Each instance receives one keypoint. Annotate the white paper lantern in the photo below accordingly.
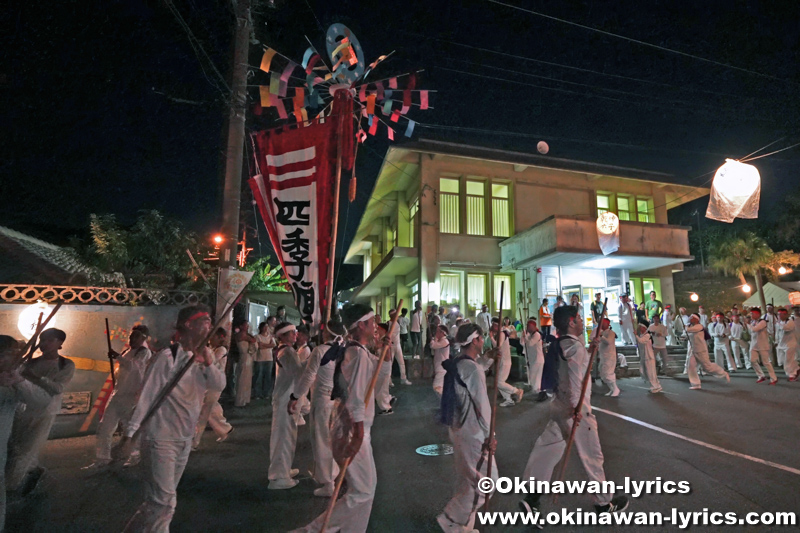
(542, 147)
(735, 192)
(608, 232)
(29, 317)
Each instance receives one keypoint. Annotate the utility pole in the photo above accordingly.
(234, 153)
(700, 234)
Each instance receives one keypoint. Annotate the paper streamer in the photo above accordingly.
(373, 128)
(404, 109)
(274, 83)
(307, 55)
(285, 77)
(423, 100)
(278, 104)
(362, 94)
(391, 134)
(387, 107)
(371, 104)
(388, 93)
(395, 116)
(393, 83)
(380, 90)
(314, 60)
(266, 59)
(412, 83)
(265, 96)
(410, 128)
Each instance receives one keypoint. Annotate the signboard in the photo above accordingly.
(76, 403)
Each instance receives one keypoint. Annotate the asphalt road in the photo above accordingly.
(224, 487)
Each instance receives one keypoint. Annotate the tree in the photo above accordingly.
(266, 277)
(749, 254)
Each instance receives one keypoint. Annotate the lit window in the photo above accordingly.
(450, 289)
(603, 203)
(476, 208)
(501, 217)
(625, 208)
(448, 205)
(476, 293)
(506, 304)
(412, 222)
(644, 209)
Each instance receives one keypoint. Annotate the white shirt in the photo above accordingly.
(54, 375)
(473, 401)
(770, 318)
(759, 338)
(505, 347)
(570, 376)
(357, 368)
(736, 330)
(719, 331)
(484, 320)
(416, 322)
(176, 418)
(402, 324)
(441, 351)
(288, 370)
(626, 313)
(608, 344)
(788, 337)
(659, 334)
(320, 378)
(132, 367)
(645, 346)
(697, 339)
(532, 345)
(264, 354)
(303, 353)
(703, 319)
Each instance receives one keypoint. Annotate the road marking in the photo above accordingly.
(699, 442)
(662, 392)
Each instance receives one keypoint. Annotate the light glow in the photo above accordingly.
(607, 223)
(782, 270)
(217, 239)
(694, 297)
(735, 192)
(29, 317)
(746, 288)
(602, 263)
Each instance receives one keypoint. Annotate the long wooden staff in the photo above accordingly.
(367, 397)
(30, 348)
(576, 416)
(168, 388)
(494, 396)
(110, 359)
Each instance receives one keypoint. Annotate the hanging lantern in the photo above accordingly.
(735, 192)
(29, 318)
(794, 298)
(608, 232)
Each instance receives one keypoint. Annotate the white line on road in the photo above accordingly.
(662, 392)
(699, 442)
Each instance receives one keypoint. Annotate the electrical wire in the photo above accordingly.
(657, 47)
(775, 152)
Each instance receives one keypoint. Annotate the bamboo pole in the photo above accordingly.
(494, 398)
(110, 359)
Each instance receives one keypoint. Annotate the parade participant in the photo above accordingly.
(262, 367)
(211, 413)
(627, 317)
(739, 348)
(454, 328)
(441, 352)
(701, 312)
(416, 330)
(699, 354)
(647, 359)
(397, 350)
(130, 378)
(318, 379)
(545, 319)
(246, 345)
(511, 395)
(653, 306)
(442, 317)
(608, 357)
(667, 318)
(283, 434)
(484, 319)
(351, 512)
(467, 412)
(402, 326)
(659, 333)
(760, 347)
(681, 324)
(720, 332)
(167, 436)
(51, 373)
(532, 348)
(383, 399)
(564, 410)
(303, 354)
(787, 344)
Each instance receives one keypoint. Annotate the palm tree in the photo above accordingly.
(749, 254)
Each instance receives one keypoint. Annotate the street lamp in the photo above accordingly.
(746, 288)
(782, 270)
(217, 239)
(694, 297)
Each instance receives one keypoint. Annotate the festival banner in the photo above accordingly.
(294, 193)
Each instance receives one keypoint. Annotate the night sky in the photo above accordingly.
(109, 109)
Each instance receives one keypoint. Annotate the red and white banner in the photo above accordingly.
(294, 193)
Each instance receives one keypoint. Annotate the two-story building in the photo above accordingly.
(448, 223)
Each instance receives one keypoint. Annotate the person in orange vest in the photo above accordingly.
(545, 319)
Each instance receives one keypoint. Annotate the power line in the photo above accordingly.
(657, 47)
(775, 152)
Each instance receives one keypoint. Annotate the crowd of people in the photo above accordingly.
(329, 383)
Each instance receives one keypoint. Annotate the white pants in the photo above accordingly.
(28, 435)
(503, 370)
(739, 352)
(790, 365)
(701, 358)
(607, 370)
(325, 468)
(471, 464)
(627, 332)
(397, 354)
(550, 446)
(647, 368)
(351, 513)
(780, 355)
(535, 367)
(164, 464)
(764, 357)
(282, 439)
(211, 414)
(119, 409)
(664, 355)
(722, 354)
(244, 380)
(382, 395)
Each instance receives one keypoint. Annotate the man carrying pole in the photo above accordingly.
(571, 406)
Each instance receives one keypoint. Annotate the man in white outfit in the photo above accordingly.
(565, 411)
(720, 332)
(167, 435)
(318, 378)
(484, 319)
(760, 347)
(608, 357)
(701, 312)
(383, 398)
(534, 354)
(659, 333)
(787, 344)
(627, 319)
(699, 354)
(283, 435)
(739, 348)
(351, 513)
(440, 346)
(130, 378)
(211, 414)
(415, 330)
(666, 321)
(511, 395)
(647, 358)
(397, 348)
(467, 412)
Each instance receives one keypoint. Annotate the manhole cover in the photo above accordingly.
(435, 449)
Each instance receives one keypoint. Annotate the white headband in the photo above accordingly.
(362, 319)
(285, 329)
(470, 338)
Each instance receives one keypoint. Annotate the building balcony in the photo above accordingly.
(398, 262)
(572, 242)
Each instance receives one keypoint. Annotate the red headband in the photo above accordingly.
(197, 315)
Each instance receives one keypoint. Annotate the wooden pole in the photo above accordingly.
(494, 398)
(367, 398)
(31, 346)
(584, 385)
(110, 359)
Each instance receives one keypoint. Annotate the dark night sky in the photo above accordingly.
(109, 109)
